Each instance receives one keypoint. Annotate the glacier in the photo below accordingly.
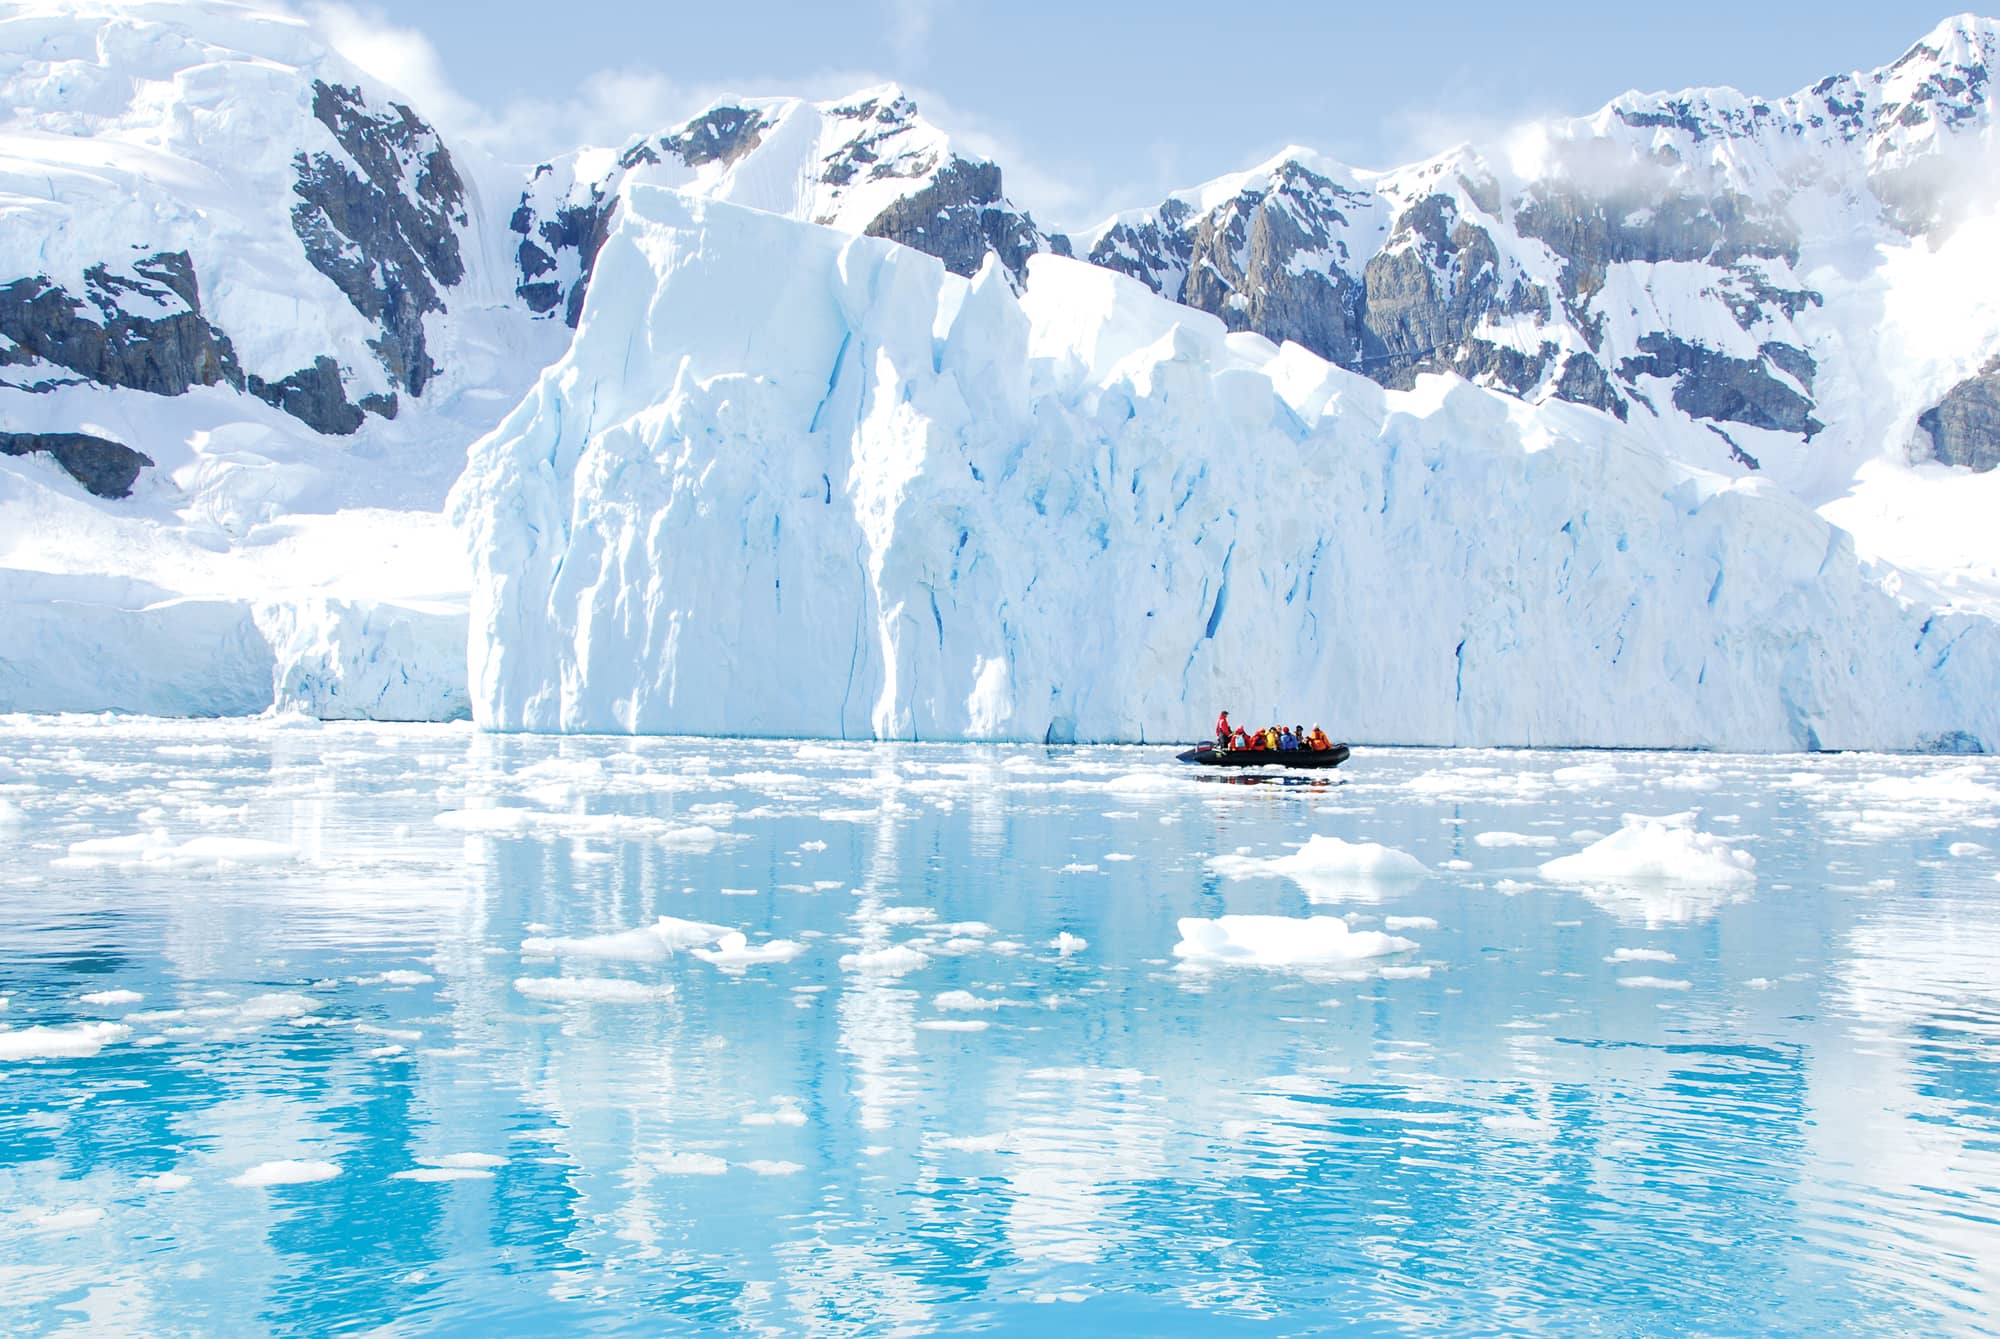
(787, 481)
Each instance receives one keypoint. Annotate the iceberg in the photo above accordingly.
(791, 482)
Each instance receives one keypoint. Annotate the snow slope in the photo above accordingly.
(264, 288)
(791, 482)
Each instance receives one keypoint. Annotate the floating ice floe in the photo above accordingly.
(108, 998)
(1330, 869)
(1066, 943)
(771, 1167)
(1657, 850)
(1653, 983)
(1641, 955)
(11, 816)
(733, 952)
(1280, 941)
(964, 1001)
(648, 943)
(1497, 839)
(1393, 923)
(953, 1025)
(894, 960)
(286, 1172)
(67, 1041)
(690, 1164)
(592, 989)
(443, 1174)
(156, 849)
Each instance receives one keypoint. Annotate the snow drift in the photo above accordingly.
(790, 482)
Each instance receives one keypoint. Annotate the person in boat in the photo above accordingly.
(1271, 737)
(1317, 740)
(1287, 741)
(1241, 740)
(1222, 730)
(1255, 744)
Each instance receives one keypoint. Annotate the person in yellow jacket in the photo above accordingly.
(1271, 737)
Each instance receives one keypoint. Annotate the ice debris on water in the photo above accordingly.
(1659, 850)
(1280, 941)
(68, 1041)
(286, 1172)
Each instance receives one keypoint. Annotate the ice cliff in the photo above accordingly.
(787, 481)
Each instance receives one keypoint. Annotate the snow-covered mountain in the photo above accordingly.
(253, 308)
(866, 164)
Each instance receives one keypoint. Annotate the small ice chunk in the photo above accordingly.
(111, 997)
(10, 816)
(1653, 983)
(286, 1172)
(954, 1025)
(443, 1174)
(1966, 848)
(733, 953)
(963, 1001)
(67, 1041)
(1641, 955)
(1498, 839)
(1066, 943)
(591, 989)
(1077, 869)
(771, 1167)
(1280, 941)
(166, 1181)
(646, 944)
(812, 846)
(1656, 850)
(465, 1160)
(1394, 923)
(907, 915)
(1118, 857)
(894, 960)
(1456, 864)
(1327, 863)
(786, 1112)
(690, 1164)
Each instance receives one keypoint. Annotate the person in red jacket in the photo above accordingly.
(1222, 731)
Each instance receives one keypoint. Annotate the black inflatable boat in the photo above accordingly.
(1207, 755)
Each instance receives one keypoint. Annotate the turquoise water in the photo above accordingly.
(1626, 1107)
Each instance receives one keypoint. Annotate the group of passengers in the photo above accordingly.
(1275, 737)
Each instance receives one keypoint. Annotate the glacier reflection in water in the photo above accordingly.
(352, 1028)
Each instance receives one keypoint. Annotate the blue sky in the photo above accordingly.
(1095, 107)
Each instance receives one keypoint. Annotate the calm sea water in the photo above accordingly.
(289, 1054)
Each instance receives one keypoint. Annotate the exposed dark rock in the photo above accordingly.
(387, 237)
(1646, 221)
(1425, 291)
(1736, 451)
(581, 228)
(100, 342)
(719, 135)
(1715, 386)
(313, 395)
(1582, 381)
(960, 216)
(1964, 427)
(1156, 252)
(1240, 265)
(102, 466)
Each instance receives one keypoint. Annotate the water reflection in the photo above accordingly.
(981, 1095)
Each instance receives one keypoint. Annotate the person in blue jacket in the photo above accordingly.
(1287, 740)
